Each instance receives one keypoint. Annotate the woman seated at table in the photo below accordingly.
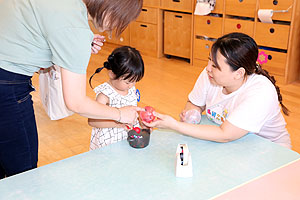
(236, 93)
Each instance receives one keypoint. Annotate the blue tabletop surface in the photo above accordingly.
(119, 171)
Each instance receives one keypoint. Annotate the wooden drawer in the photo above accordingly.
(202, 48)
(273, 35)
(177, 34)
(278, 5)
(236, 25)
(244, 8)
(275, 61)
(143, 36)
(218, 7)
(148, 15)
(178, 5)
(208, 26)
(124, 38)
(155, 3)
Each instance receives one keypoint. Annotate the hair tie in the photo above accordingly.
(111, 57)
(107, 65)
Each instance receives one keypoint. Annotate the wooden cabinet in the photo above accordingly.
(170, 27)
(177, 34)
(278, 42)
(143, 36)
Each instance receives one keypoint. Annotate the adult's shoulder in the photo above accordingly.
(261, 86)
(56, 14)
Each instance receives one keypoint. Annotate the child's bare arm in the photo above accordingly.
(103, 123)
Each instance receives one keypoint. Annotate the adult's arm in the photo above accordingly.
(224, 133)
(74, 91)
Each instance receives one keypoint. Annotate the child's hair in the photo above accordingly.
(240, 50)
(125, 62)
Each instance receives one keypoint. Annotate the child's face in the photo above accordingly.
(123, 85)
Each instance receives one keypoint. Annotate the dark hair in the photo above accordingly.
(124, 61)
(118, 12)
(240, 50)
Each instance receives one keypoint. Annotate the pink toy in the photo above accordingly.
(147, 115)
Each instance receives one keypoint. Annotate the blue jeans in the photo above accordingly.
(18, 132)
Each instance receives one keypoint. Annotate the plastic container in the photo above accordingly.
(193, 116)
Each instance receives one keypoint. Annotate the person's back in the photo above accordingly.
(34, 36)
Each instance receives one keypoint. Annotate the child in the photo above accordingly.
(125, 67)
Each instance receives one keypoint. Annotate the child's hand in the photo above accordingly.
(97, 43)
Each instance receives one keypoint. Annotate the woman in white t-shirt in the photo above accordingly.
(236, 93)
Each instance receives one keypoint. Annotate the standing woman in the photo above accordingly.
(236, 93)
(36, 34)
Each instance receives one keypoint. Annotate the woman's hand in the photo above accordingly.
(182, 115)
(129, 114)
(162, 121)
(97, 43)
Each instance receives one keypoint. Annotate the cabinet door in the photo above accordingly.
(272, 35)
(148, 15)
(208, 26)
(143, 37)
(178, 5)
(236, 25)
(274, 61)
(177, 34)
(245, 8)
(278, 5)
(202, 48)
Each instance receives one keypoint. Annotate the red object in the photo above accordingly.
(147, 115)
(239, 26)
(137, 130)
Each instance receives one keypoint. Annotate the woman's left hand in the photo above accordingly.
(162, 121)
(97, 43)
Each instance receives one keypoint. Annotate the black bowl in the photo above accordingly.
(139, 140)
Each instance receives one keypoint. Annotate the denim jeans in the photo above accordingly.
(18, 132)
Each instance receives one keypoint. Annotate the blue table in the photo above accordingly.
(119, 171)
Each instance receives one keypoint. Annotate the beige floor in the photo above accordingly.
(165, 87)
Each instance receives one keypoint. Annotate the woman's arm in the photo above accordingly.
(102, 123)
(74, 91)
(224, 133)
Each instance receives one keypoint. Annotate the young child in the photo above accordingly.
(125, 67)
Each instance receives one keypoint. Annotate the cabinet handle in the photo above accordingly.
(241, 1)
(272, 30)
(145, 10)
(178, 16)
(176, 0)
(142, 25)
(270, 57)
(206, 46)
(208, 22)
(238, 26)
(275, 2)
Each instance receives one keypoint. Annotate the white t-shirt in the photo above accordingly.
(253, 107)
